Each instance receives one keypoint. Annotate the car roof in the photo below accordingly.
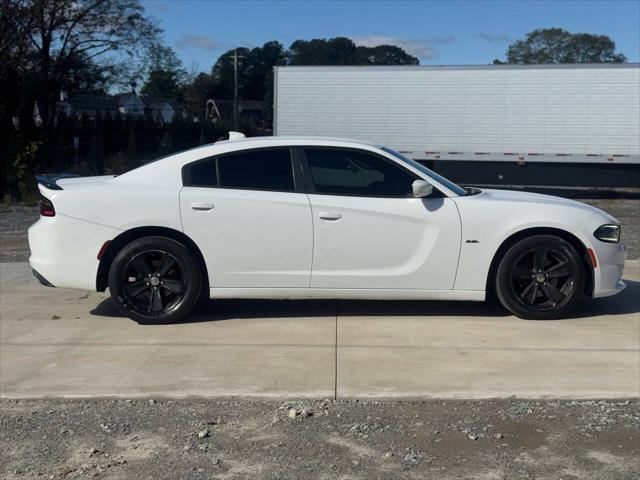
(295, 140)
(164, 165)
(167, 170)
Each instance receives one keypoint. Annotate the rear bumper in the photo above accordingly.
(42, 280)
(64, 251)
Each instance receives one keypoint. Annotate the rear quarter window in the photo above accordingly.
(202, 173)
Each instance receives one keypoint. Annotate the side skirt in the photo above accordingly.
(347, 294)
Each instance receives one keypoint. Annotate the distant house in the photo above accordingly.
(253, 109)
(130, 104)
(163, 110)
(88, 104)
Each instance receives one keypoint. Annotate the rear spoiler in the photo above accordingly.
(49, 180)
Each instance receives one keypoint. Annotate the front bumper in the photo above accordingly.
(610, 257)
(608, 274)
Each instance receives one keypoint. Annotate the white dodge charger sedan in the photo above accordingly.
(293, 218)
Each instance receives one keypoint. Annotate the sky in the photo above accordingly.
(437, 32)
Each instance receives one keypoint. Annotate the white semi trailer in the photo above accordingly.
(576, 125)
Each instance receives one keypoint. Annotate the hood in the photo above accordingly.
(539, 198)
(514, 197)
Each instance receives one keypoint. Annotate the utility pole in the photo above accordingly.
(235, 88)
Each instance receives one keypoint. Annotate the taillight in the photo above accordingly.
(46, 208)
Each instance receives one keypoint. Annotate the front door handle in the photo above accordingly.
(202, 206)
(330, 216)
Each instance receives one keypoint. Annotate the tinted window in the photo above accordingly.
(260, 169)
(200, 174)
(458, 190)
(352, 172)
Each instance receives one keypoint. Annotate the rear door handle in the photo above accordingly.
(330, 216)
(202, 206)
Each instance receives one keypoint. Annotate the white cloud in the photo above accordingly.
(197, 41)
(418, 47)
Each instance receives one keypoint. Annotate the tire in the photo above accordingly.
(155, 280)
(540, 278)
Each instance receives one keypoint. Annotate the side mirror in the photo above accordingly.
(421, 188)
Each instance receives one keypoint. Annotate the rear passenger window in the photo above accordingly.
(200, 174)
(257, 170)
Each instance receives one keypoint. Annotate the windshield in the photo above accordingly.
(458, 190)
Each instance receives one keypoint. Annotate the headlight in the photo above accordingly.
(608, 233)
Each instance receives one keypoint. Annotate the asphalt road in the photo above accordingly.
(64, 343)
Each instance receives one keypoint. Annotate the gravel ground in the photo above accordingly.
(507, 439)
(628, 213)
(17, 218)
(14, 222)
(348, 440)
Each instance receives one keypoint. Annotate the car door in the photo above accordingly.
(249, 218)
(370, 232)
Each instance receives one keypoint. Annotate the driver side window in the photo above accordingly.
(352, 172)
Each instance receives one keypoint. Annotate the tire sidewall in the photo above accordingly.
(504, 289)
(183, 256)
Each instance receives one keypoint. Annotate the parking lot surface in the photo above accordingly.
(59, 343)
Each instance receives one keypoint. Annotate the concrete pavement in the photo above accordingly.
(58, 343)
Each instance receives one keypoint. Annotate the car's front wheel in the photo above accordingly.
(155, 280)
(540, 277)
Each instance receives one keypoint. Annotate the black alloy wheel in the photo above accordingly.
(540, 277)
(155, 280)
(543, 278)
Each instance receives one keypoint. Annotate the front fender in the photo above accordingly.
(491, 218)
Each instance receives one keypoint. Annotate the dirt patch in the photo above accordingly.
(345, 439)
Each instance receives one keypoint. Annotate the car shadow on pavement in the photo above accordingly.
(625, 302)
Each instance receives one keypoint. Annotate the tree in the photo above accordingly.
(384, 55)
(161, 57)
(162, 84)
(258, 69)
(165, 74)
(197, 93)
(343, 51)
(222, 73)
(555, 45)
(335, 51)
(255, 68)
(60, 33)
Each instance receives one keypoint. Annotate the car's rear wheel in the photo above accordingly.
(155, 280)
(540, 277)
